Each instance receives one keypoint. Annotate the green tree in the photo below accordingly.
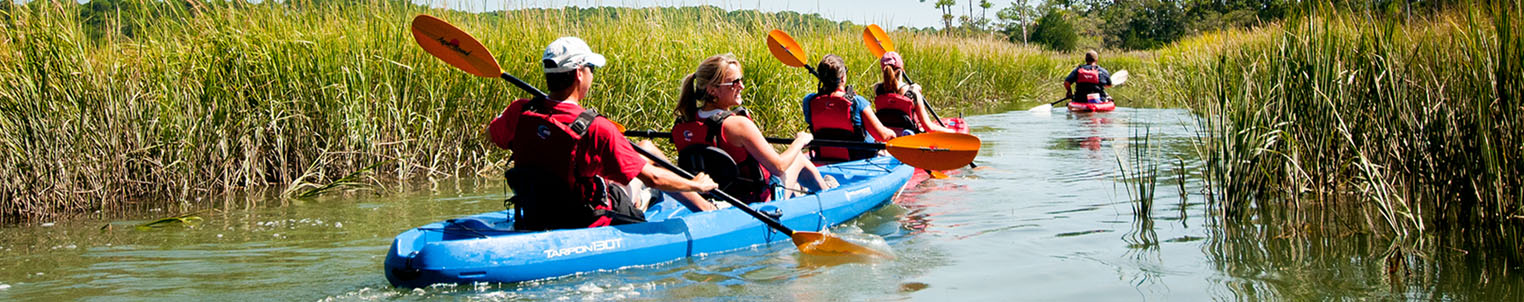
(947, 16)
(1016, 21)
(984, 13)
(1054, 31)
(1161, 22)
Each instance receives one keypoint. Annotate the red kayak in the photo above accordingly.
(1092, 107)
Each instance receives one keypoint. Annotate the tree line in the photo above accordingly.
(1135, 24)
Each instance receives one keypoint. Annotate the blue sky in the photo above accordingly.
(887, 13)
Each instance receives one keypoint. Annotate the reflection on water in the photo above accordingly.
(1288, 255)
(1045, 217)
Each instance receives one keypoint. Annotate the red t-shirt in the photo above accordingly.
(605, 151)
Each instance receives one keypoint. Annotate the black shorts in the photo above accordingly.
(623, 206)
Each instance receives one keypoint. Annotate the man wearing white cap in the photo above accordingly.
(572, 167)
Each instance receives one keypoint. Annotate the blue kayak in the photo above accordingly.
(484, 248)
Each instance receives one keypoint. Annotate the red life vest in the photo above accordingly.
(1088, 85)
(831, 118)
(547, 192)
(1090, 75)
(698, 138)
(897, 112)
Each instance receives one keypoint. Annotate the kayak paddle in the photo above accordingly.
(1116, 80)
(783, 47)
(459, 49)
(878, 42)
(931, 151)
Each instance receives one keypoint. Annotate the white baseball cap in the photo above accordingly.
(568, 54)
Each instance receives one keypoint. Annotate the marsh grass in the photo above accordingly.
(1417, 118)
(1139, 168)
(175, 101)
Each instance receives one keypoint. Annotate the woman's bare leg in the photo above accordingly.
(802, 165)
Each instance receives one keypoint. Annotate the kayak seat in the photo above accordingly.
(896, 119)
(709, 159)
(831, 155)
(473, 227)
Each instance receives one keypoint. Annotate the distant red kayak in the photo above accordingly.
(1092, 107)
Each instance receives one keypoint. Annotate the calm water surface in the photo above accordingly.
(1047, 216)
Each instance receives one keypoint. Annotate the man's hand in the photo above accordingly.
(704, 183)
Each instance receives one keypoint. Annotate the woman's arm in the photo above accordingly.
(922, 112)
(874, 127)
(743, 132)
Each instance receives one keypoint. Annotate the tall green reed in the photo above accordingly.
(1416, 118)
(157, 100)
(1139, 167)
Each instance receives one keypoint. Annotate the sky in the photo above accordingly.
(886, 13)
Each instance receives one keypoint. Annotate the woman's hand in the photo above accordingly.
(803, 137)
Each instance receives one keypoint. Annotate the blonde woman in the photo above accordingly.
(708, 116)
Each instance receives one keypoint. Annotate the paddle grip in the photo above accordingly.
(775, 140)
(717, 192)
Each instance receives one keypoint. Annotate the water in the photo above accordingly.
(1047, 216)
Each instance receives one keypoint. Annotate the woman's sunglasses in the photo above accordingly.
(736, 82)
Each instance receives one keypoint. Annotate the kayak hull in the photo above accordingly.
(452, 252)
(1092, 107)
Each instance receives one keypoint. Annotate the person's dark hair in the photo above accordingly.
(560, 81)
(694, 88)
(832, 72)
(1091, 57)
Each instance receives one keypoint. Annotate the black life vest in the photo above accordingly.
(831, 118)
(547, 192)
(703, 147)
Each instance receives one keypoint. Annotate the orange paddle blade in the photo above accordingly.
(816, 243)
(935, 151)
(936, 174)
(617, 125)
(877, 40)
(786, 49)
(454, 46)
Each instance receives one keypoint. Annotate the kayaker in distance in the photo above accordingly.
(709, 115)
(899, 104)
(835, 112)
(1092, 80)
(572, 167)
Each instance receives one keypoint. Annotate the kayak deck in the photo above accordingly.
(484, 248)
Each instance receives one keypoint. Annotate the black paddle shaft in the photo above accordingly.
(525, 86)
(775, 140)
(1055, 103)
(906, 74)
